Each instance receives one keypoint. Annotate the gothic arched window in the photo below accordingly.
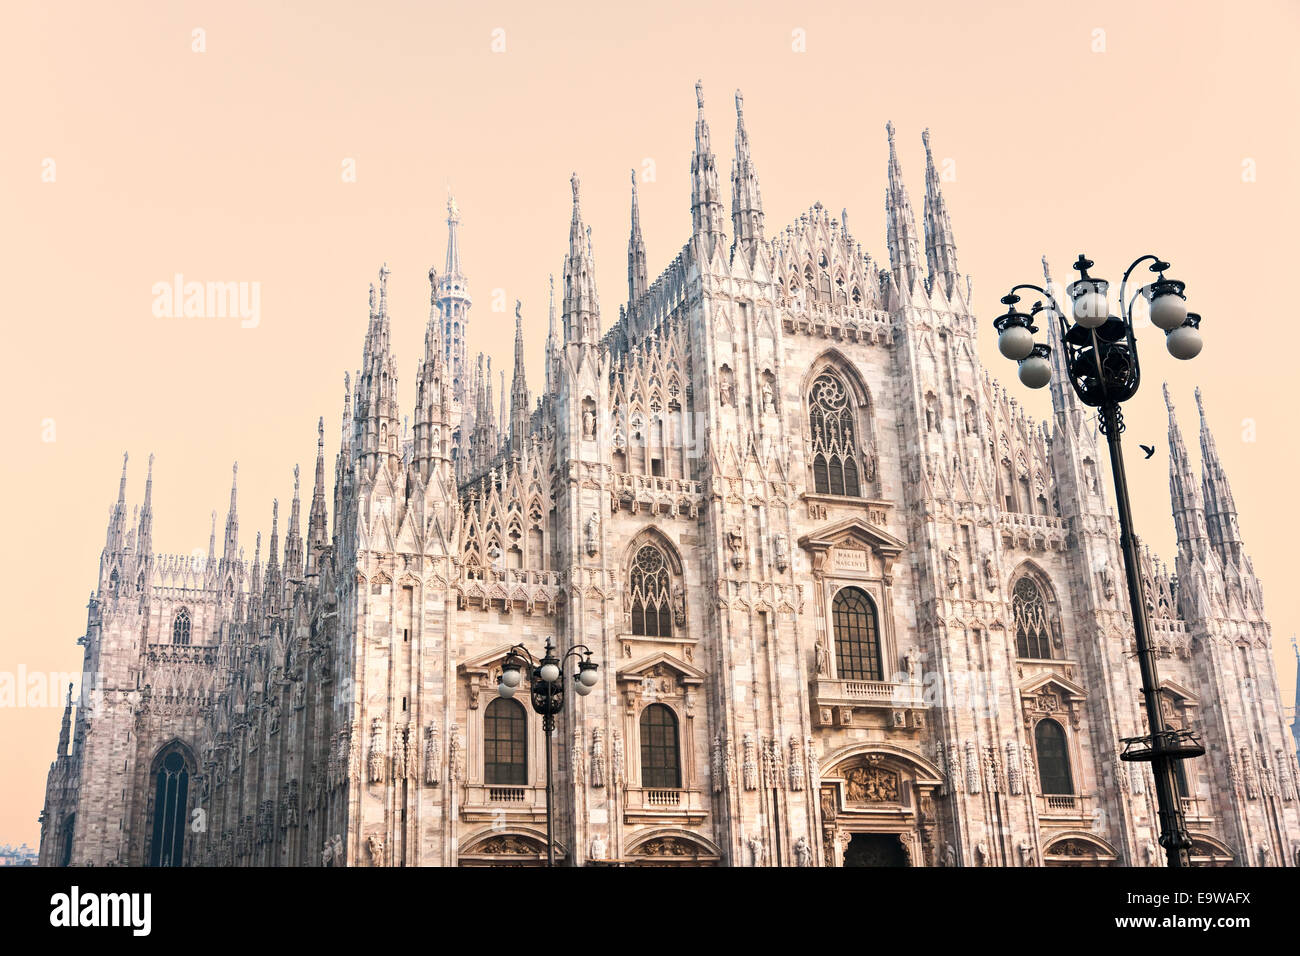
(1033, 637)
(1053, 758)
(170, 808)
(651, 592)
(181, 627)
(857, 638)
(660, 767)
(505, 743)
(834, 437)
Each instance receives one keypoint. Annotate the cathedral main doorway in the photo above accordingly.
(875, 849)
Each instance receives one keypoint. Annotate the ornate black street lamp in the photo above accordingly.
(546, 686)
(1101, 361)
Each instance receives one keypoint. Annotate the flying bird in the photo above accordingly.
(1149, 449)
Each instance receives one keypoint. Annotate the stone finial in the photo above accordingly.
(925, 139)
(740, 103)
(699, 94)
(889, 129)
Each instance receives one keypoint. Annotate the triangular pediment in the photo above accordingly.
(638, 670)
(1067, 688)
(1188, 698)
(484, 663)
(854, 531)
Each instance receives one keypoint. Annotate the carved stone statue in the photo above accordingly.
(981, 854)
(823, 665)
(910, 665)
(781, 551)
(376, 751)
(736, 542)
(339, 858)
(597, 847)
(588, 423)
(679, 605)
(990, 573)
(953, 565)
(399, 757)
(1153, 854)
(590, 535)
(375, 843)
(769, 406)
(1107, 582)
(327, 854)
(757, 852)
(803, 855)
(1027, 854)
(949, 855)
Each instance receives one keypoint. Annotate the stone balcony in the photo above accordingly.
(842, 702)
(655, 495)
(494, 801)
(1065, 807)
(659, 804)
(1031, 532)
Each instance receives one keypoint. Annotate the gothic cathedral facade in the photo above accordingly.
(851, 605)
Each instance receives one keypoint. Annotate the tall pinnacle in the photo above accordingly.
(453, 241)
(518, 388)
(940, 247)
(317, 535)
(706, 197)
(746, 201)
(1184, 493)
(904, 255)
(231, 550)
(638, 276)
(1220, 508)
(581, 306)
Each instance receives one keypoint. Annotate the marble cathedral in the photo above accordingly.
(851, 604)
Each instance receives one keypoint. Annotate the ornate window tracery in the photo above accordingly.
(857, 635)
(181, 627)
(834, 437)
(1029, 611)
(170, 807)
(650, 585)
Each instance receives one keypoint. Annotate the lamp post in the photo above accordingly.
(1101, 362)
(546, 685)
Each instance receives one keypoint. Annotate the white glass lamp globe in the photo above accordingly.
(1016, 342)
(1184, 342)
(1035, 371)
(588, 677)
(582, 689)
(505, 690)
(1168, 311)
(511, 677)
(1091, 310)
(550, 672)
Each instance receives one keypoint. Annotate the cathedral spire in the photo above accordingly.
(231, 549)
(706, 196)
(638, 275)
(1065, 404)
(293, 561)
(518, 389)
(1184, 493)
(581, 306)
(117, 515)
(746, 201)
(1220, 508)
(453, 241)
(904, 257)
(376, 431)
(940, 247)
(316, 521)
(271, 587)
(146, 516)
(212, 540)
(65, 726)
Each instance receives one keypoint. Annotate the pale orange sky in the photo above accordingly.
(225, 166)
